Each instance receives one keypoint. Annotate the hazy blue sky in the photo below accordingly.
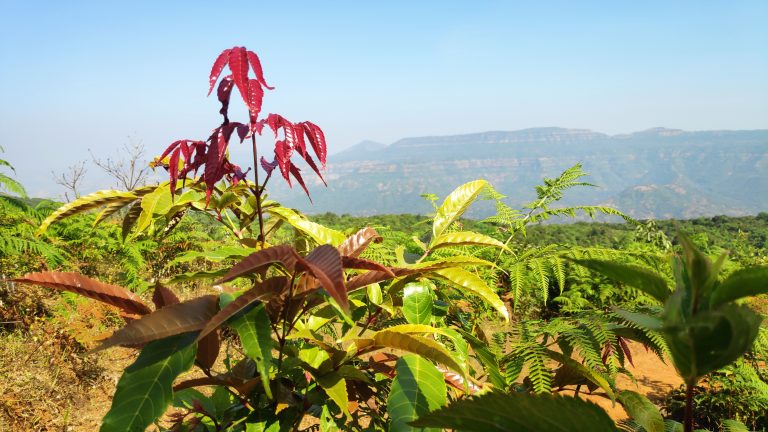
(79, 75)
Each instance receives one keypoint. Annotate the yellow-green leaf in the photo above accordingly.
(85, 203)
(475, 285)
(464, 238)
(320, 234)
(455, 205)
(425, 347)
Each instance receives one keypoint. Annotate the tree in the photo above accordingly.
(128, 173)
(71, 179)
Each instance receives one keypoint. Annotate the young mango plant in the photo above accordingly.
(310, 322)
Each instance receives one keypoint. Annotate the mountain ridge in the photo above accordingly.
(657, 172)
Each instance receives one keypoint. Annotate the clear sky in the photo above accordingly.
(79, 75)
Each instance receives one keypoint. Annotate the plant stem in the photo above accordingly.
(259, 191)
(688, 419)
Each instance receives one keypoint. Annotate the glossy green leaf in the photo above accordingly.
(255, 332)
(320, 234)
(464, 238)
(634, 276)
(455, 205)
(504, 412)
(109, 210)
(642, 411)
(145, 388)
(417, 303)
(741, 283)
(85, 203)
(417, 389)
(475, 285)
(373, 292)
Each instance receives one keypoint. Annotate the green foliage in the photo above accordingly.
(520, 412)
(417, 389)
(144, 391)
(7, 183)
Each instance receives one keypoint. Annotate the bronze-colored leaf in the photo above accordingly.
(171, 320)
(208, 350)
(79, 284)
(265, 290)
(163, 296)
(324, 262)
(370, 277)
(355, 244)
(283, 254)
(349, 262)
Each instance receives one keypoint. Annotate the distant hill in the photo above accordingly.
(660, 173)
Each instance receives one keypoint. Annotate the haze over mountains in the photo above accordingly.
(657, 173)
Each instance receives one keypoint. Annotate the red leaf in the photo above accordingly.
(297, 173)
(253, 59)
(355, 244)
(283, 254)
(79, 284)
(271, 287)
(625, 348)
(173, 169)
(163, 296)
(223, 93)
(324, 262)
(268, 166)
(238, 64)
(208, 350)
(370, 277)
(317, 140)
(171, 320)
(255, 97)
(283, 157)
(218, 66)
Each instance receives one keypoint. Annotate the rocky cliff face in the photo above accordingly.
(655, 173)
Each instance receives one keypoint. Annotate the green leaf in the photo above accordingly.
(455, 205)
(255, 333)
(151, 204)
(475, 285)
(741, 283)
(320, 234)
(734, 426)
(417, 303)
(638, 277)
(145, 388)
(12, 186)
(640, 319)
(373, 292)
(642, 411)
(520, 412)
(336, 388)
(464, 238)
(85, 203)
(417, 389)
(711, 339)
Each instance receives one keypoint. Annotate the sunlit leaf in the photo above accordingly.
(464, 238)
(283, 254)
(425, 347)
(355, 244)
(184, 317)
(455, 205)
(741, 283)
(79, 284)
(475, 285)
(324, 262)
(417, 303)
(85, 203)
(642, 411)
(320, 234)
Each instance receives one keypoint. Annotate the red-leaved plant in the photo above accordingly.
(188, 156)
